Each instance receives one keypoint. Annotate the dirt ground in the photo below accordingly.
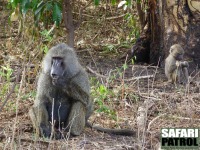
(135, 87)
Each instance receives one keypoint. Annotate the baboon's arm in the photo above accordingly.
(38, 113)
(79, 88)
(39, 117)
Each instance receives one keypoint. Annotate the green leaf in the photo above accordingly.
(34, 4)
(96, 2)
(125, 66)
(14, 3)
(38, 10)
(102, 89)
(127, 16)
(39, 7)
(25, 5)
(129, 3)
(49, 6)
(113, 2)
(57, 14)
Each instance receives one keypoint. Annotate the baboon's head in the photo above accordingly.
(177, 52)
(60, 63)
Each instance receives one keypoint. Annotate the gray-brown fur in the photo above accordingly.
(71, 97)
(65, 94)
(175, 68)
(184, 72)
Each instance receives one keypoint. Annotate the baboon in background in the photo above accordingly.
(176, 70)
(63, 96)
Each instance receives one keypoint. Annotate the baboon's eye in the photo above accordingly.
(62, 63)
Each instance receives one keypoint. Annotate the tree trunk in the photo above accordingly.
(68, 20)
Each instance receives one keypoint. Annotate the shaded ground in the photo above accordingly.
(169, 106)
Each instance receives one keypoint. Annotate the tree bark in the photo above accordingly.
(68, 20)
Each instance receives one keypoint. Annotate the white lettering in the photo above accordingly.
(196, 133)
(190, 132)
(172, 133)
(183, 133)
(178, 132)
(164, 132)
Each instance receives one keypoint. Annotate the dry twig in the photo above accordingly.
(131, 79)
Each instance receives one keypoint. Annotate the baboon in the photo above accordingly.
(63, 100)
(140, 52)
(176, 70)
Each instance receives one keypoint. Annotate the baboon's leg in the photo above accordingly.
(89, 111)
(185, 75)
(39, 117)
(176, 76)
(34, 120)
(76, 118)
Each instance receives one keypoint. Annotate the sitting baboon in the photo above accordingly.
(63, 96)
(176, 70)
